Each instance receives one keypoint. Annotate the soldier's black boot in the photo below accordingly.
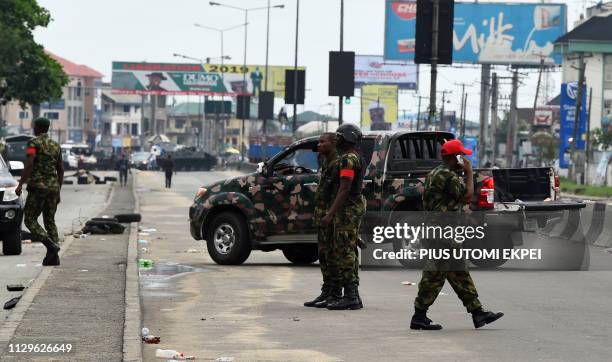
(480, 317)
(52, 257)
(349, 301)
(335, 294)
(420, 321)
(321, 298)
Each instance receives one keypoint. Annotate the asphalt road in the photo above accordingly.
(254, 311)
(78, 203)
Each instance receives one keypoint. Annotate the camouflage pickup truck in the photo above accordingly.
(272, 208)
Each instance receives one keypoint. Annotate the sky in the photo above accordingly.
(96, 33)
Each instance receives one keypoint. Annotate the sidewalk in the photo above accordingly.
(82, 301)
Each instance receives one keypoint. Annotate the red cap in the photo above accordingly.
(454, 147)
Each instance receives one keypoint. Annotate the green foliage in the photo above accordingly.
(602, 139)
(27, 73)
(547, 146)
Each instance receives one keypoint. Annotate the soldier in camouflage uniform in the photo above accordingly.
(329, 156)
(43, 174)
(345, 215)
(445, 191)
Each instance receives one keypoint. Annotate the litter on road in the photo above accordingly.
(12, 303)
(172, 354)
(145, 263)
(15, 287)
(408, 283)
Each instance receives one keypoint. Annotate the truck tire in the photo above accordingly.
(11, 243)
(498, 239)
(227, 239)
(301, 254)
(128, 218)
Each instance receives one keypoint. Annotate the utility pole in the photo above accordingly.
(588, 139)
(579, 105)
(341, 99)
(484, 110)
(463, 120)
(418, 123)
(442, 120)
(295, 77)
(512, 123)
(494, 96)
(535, 100)
(434, 60)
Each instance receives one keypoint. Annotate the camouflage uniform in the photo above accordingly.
(444, 190)
(322, 205)
(344, 263)
(43, 188)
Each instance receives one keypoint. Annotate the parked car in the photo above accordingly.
(78, 156)
(11, 208)
(273, 208)
(141, 160)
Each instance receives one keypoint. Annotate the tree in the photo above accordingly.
(27, 73)
(602, 139)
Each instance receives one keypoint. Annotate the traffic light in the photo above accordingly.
(289, 89)
(243, 107)
(266, 105)
(424, 25)
(342, 74)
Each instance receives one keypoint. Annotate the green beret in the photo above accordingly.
(41, 121)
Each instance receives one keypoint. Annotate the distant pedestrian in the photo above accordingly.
(44, 175)
(446, 193)
(168, 167)
(123, 166)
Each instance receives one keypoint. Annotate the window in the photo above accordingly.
(305, 156)
(78, 90)
(69, 116)
(415, 152)
(69, 93)
(134, 129)
(106, 108)
(80, 117)
(161, 101)
(24, 115)
(179, 123)
(234, 141)
(52, 115)
(126, 109)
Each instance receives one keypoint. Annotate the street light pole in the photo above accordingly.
(295, 65)
(341, 99)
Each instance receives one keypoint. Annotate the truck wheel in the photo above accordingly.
(227, 239)
(499, 240)
(11, 243)
(302, 254)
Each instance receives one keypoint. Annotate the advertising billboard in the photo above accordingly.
(544, 116)
(372, 69)
(378, 106)
(493, 33)
(194, 79)
(569, 93)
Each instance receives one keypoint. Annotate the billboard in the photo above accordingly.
(494, 33)
(544, 116)
(378, 105)
(372, 69)
(569, 92)
(194, 79)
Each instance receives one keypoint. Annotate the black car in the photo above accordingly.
(11, 208)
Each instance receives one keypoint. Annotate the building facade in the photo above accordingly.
(120, 125)
(72, 116)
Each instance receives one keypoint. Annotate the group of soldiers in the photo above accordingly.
(340, 206)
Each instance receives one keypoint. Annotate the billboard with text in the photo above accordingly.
(494, 33)
(372, 69)
(378, 105)
(194, 79)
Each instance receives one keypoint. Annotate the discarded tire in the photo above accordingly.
(103, 227)
(11, 243)
(110, 179)
(100, 182)
(104, 219)
(82, 180)
(68, 182)
(128, 218)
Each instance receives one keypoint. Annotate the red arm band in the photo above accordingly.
(348, 173)
(31, 151)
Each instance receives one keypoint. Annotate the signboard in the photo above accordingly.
(494, 33)
(472, 144)
(569, 92)
(378, 105)
(194, 79)
(372, 69)
(543, 116)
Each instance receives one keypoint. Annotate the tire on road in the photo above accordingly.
(11, 243)
(227, 239)
(128, 218)
(301, 254)
(496, 239)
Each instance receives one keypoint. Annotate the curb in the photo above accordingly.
(14, 319)
(132, 345)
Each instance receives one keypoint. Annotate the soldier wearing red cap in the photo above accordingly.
(445, 192)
